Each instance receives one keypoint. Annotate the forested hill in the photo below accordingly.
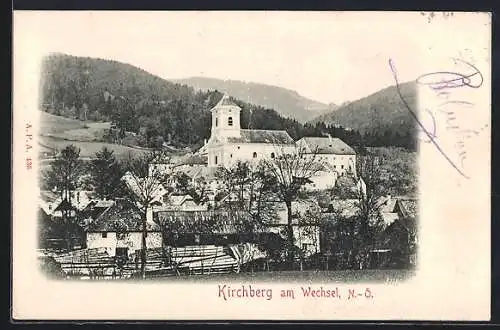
(288, 103)
(381, 117)
(149, 108)
(137, 101)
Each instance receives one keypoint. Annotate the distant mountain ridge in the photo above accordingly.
(286, 102)
(147, 111)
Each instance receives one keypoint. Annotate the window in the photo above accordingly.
(254, 155)
(334, 166)
(215, 160)
(230, 121)
(238, 147)
(104, 235)
(216, 121)
(231, 155)
(121, 252)
(342, 166)
(272, 155)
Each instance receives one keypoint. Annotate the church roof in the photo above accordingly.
(325, 145)
(225, 101)
(261, 136)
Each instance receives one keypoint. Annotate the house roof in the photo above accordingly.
(122, 216)
(408, 208)
(262, 136)
(176, 200)
(48, 196)
(387, 204)
(346, 207)
(200, 171)
(389, 217)
(64, 206)
(225, 101)
(193, 160)
(203, 221)
(326, 145)
(95, 208)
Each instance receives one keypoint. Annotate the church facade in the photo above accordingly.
(230, 143)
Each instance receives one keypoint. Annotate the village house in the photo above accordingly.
(397, 245)
(305, 224)
(54, 228)
(396, 216)
(118, 229)
(230, 143)
(333, 151)
(53, 204)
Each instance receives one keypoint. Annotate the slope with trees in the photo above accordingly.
(288, 103)
(382, 118)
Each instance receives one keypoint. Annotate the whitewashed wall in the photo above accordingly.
(230, 154)
(131, 240)
(307, 238)
(322, 181)
(341, 163)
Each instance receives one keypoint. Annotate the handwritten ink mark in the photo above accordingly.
(413, 114)
(445, 79)
(434, 126)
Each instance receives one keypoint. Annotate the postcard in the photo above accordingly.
(251, 165)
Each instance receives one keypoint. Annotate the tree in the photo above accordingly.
(185, 185)
(144, 186)
(106, 173)
(249, 189)
(64, 176)
(291, 171)
(370, 190)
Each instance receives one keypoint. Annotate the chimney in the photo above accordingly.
(330, 139)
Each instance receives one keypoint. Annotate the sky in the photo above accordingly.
(326, 56)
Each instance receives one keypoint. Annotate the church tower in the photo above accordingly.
(225, 119)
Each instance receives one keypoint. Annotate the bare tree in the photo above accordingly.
(291, 171)
(370, 190)
(248, 189)
(144, 186)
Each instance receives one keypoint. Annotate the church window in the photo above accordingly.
(230, 121)
(216, 121)
(272, 154)
(215, 160)
(254, 155)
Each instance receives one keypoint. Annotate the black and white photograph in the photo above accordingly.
(237, 150)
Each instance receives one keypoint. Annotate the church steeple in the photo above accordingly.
(226, 118)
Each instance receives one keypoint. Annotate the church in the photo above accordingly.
(230, 143)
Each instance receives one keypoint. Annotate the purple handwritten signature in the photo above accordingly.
(442, 83)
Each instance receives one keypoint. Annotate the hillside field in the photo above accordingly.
(57, 132)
